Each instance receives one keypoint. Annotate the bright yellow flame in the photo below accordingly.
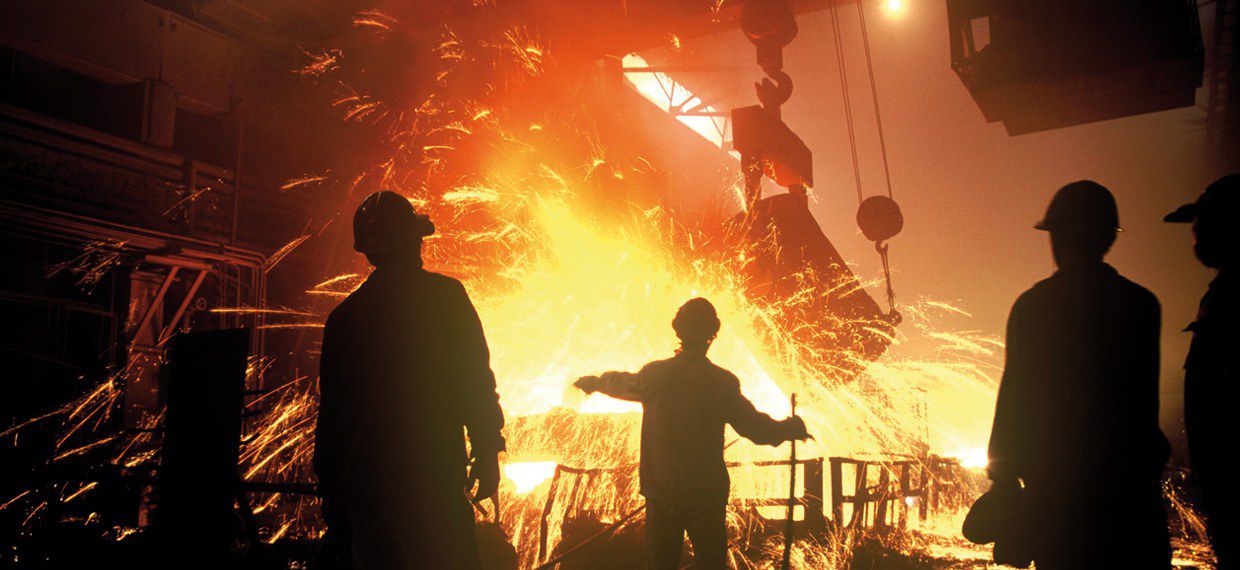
(596, 295)
(602, 298)
(528, 476)
(973, 458)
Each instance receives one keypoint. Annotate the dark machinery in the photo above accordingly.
(1044, 65)
(198, 479)
(767, 146)
(790, 252)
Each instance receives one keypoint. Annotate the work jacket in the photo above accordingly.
(405, 369)
(1079, 393)
(1210, 378)
(686, 402)
(1077, 421)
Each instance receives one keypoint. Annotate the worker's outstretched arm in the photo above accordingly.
(757, 426)
(623, 385)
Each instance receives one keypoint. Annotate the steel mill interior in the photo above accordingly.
(320, 284)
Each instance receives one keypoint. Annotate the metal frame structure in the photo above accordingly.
(1221, 113)
(67, 185)
(811, 499)
(683, 107)
(930, 482)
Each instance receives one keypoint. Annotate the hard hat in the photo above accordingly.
(1084, 204)
(385, 219)
(696, 320)
(1221, 198)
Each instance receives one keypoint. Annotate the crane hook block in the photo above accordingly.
(879, 218)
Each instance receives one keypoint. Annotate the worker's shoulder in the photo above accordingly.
(442, 282)
(722, 374)
(1116, 287)
(344, 310)
(657, 365)
(727, 377)
(676, 365)
(1032, 296)
(1135, 291)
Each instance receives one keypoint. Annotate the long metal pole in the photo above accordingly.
(792, 496)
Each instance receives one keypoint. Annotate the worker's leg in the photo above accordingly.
(708, 531)
(334, 549)
(1218, 498)
(665, 536)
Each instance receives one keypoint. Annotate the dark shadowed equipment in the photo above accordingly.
(783, 156)
(767, 146)
(198, 478)
(791, 256)
(1043, 65)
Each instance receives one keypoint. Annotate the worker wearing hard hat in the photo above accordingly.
(1211, 387)
(1077, 414)
(404, 368)
(686, 402)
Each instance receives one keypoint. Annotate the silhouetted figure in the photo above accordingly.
(686, 401)
(1210, 377)
(405, 369)
(1077, 414)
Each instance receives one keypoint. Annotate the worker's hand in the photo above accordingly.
(484, 472)
(586, 384)
(795, 427)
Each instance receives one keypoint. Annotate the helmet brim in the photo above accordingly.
(1045, 226)
(1185, 214)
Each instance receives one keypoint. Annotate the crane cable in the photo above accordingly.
(878, 115)
(852, 135)
(879, 246)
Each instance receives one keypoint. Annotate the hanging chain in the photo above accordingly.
(892, 313)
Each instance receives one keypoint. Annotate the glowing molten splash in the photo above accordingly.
(528, 476)
(596, 298)
(975, 458)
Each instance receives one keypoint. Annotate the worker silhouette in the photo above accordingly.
(1077, 414)
(1210, 379)
(405, 369)
(686, 401)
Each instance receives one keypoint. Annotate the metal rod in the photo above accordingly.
(792, 495)
(150, 310)
(171, 324)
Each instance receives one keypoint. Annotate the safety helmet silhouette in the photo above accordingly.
(1082, 205)
(696, 320)
(385, 220)
(1221, 201)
